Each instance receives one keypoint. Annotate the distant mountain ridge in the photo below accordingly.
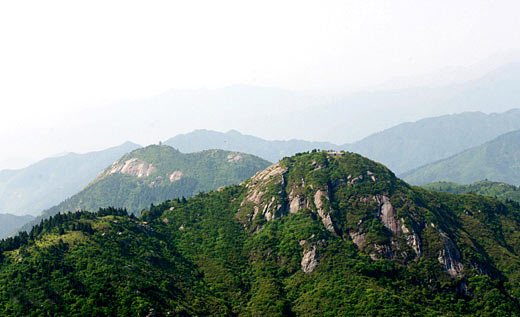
(49, 181)
(232, 140)
(413, 144)
(157, 173)
(402, 148)
(497, 160)
(9, 223)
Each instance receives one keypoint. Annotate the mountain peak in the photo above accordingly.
(309, 182)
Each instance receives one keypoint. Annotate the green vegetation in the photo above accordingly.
(156, 173)
(501, 191)
(46, 183)
(497, 160)
(389, 250)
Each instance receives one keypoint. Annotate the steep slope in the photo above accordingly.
(273, 151)
(410, 145)
(9, 223)
(50, 181)
(315, 234)
(336, 233)
(156, 173)
(103, 264)
(502, 191)
(497, 160)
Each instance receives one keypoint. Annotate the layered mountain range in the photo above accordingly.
(46, 183)
(497, 160)
(402, 148)
(315, 234)
(157, 173)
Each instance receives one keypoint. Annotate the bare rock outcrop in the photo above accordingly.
(449, 257)
(412, 239)
(309, 260)
(387, 214)
(359, 239)
(324, 215)
(133, 166)
(234, 157)
(257, 188)
(176, 176)
(297, 202)
(310, 255)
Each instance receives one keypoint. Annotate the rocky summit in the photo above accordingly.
(319, 233)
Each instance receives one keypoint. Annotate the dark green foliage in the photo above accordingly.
(202, 171)
(201, 256)
(501, 191)
(101, 264)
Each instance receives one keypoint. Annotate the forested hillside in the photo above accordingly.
(30, 190)
(316, 234)
(497, 160)
(502, 191)
(156, 173)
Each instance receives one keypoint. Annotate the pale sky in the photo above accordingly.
(63, 64)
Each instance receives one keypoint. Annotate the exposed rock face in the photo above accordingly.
(133, 166)
(449, 257)
(412, 239)
(176, 176)
(310, 254)
(358, 239)
(355, 180)
(383, 251)
(309, 260)
(274, 171)
(386, 213)
(325, 216)
(234, 157)
(388, 216)
(297, 202)
(257, 188)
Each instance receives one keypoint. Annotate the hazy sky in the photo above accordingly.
(63, 63)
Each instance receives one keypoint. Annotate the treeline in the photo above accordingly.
(63, 222)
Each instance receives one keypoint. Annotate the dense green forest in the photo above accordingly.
(499, 190)
(327, 234)
(156, 173)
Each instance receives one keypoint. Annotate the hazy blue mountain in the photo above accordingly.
(357, 115)
(410, 145)
(157, 173)
(271, 113)
(48, 182)
(9, 223)
(497, 160)
(273, 151)
(402, 148)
